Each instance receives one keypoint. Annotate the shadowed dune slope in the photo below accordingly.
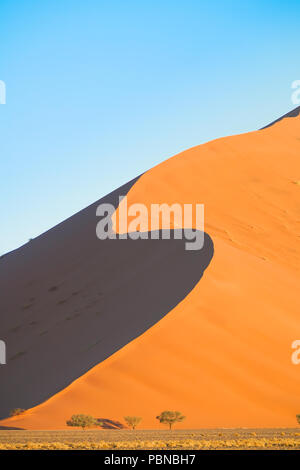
(222, 356)
(71, 300)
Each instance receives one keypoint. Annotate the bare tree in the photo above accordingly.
(132, 421)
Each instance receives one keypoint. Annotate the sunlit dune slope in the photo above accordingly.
(222, 356)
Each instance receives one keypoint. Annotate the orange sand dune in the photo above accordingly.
(222, 356)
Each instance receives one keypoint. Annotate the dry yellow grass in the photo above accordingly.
(76, 439)
(250, 443)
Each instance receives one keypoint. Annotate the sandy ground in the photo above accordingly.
(144, 435)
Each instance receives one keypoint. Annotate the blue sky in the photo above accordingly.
(100, 91)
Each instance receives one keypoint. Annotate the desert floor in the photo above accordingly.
(279, 438)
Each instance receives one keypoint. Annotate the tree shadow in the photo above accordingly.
(110, 424)
(11, 428)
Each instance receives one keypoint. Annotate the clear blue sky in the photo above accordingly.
(100, 91)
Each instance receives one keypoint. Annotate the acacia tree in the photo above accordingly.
(82, 421)
(132, 421)
(170, 417)
(16, 412)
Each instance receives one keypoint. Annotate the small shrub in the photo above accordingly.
(16, 412)
(17, 355)
(82, 421)
(25, 307)
(52, 289)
